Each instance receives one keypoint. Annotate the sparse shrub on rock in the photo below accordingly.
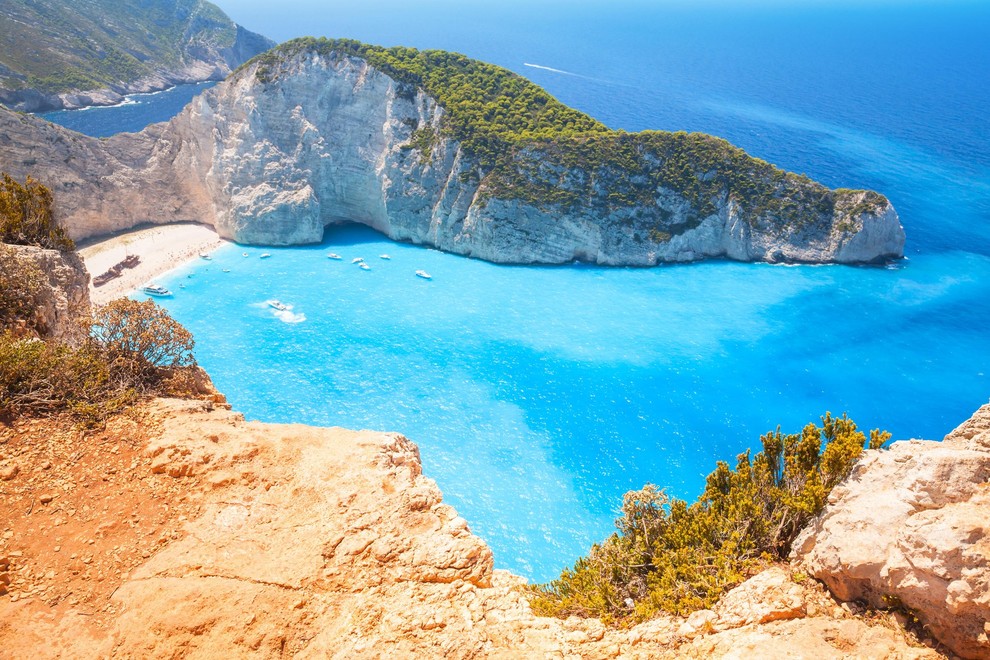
(669, 556)
(135, 349)
(21, 287)
(141, 342)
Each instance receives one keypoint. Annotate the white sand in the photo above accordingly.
(161, 249)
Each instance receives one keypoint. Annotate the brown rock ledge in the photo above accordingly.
(184, 531)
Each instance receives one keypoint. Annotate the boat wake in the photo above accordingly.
(288, 316)
(565, 73)
(281, 311)
(550, 68)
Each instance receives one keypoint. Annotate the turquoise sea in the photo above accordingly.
(539, 395)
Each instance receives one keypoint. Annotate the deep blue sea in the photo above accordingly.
(130, 116)
(539, 395)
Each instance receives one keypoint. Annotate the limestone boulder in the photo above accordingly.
(909, 528)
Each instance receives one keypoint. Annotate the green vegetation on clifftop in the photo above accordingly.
(132, 348)
(27, 215)
(489, 109)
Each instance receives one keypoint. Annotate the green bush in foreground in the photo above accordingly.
(135, 349)
(671, 557)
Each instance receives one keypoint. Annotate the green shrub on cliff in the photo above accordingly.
(27, 215)
(142, 342)
(671, 557)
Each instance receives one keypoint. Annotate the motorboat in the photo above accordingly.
(364, 266)
(264, 255)
(278, 305)
(226, 270)
(333, 255)
(156, 290)
(424, 275)
(357, 260)
(203, 255)
(245, 254)
(384, 256)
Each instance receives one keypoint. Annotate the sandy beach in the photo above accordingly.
(161, 248)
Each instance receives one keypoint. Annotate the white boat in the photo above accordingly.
(384, 256)
(277, 305)
(245, 254)
(156, 290)
(333, 255)
(226, 270)
(203, 255)
(364, 266)
(424, 275)
(264, 255)
(357, 260)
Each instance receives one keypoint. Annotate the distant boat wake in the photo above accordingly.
(561, 71)
(550, 68)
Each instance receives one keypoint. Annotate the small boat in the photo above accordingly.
(203, 255)
(264, 255)
(245, 254)
(277, 305)
(364, 266)
(424, 275)
(384, 256)
(226, 270)
(333, 255)
(156, 290)
(357, 260)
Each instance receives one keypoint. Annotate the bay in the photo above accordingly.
(539, 395)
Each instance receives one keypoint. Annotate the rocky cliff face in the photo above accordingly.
(910, 527)
(332, 139)
(184, 531)
(62, 298)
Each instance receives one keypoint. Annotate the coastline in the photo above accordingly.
(162, 248)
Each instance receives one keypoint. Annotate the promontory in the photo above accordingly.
(58, 54)
(439, 149)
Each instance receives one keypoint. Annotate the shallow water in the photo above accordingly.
(539, 395)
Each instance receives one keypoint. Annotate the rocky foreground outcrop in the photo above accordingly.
(280, 151)
(185, 531)
(910, 528)
(57, 284)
